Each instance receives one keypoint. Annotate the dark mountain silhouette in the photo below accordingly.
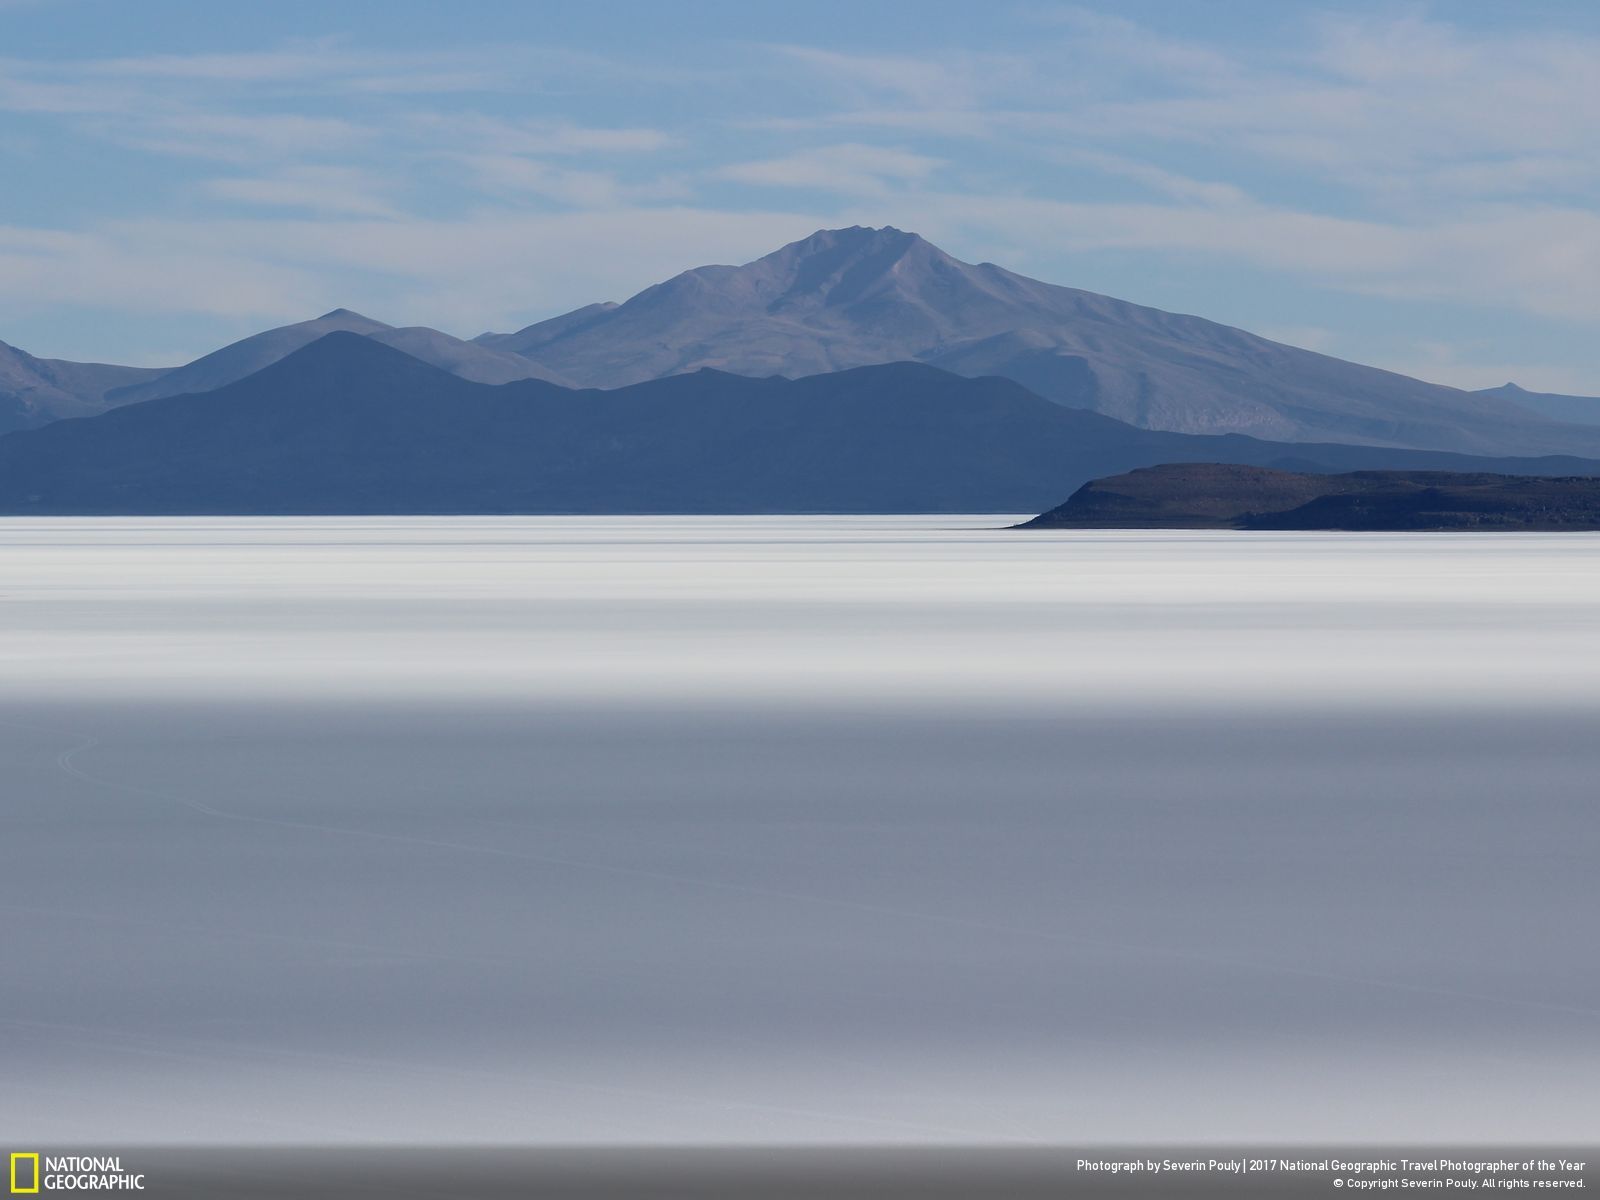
(852, 297)
(1576, 410)
(348, 425)
(35, 391)
(1219, 496)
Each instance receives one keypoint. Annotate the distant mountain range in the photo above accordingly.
(847, 298)
(349, 425)
(246, 357)
(1577, 410)
(34, 391)
(1212, 496)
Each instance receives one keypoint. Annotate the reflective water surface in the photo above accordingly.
(767, 829)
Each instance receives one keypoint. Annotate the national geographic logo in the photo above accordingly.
(31, 1173)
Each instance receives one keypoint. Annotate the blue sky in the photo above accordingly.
(1412, 186)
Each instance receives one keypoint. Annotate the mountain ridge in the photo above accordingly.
(248, 355)
(347, 424)
(852, 297)
(34, 391)
(1580, 410)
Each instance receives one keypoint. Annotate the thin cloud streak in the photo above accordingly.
(848, 169)
(319, 189)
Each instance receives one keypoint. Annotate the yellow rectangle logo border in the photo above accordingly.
(24, 1191)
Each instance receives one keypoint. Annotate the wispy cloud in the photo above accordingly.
(1157, 179)
(326, 64)
(948, 82)
(245, 137)
(504, 174)
(496, 135)
(25, 89)
(118, 267)
(849, 168)
(1115, 41)
(316, 189)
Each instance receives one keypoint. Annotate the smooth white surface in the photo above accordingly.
(794, 828)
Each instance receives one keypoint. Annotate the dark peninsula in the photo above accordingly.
(1219, 496)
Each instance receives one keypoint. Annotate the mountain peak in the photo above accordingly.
(339, 318)
(854, 241)
(343, 345)
(339, 337)
(856, 235)
(842, 267)
(343, 358)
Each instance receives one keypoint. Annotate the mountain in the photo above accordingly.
(34, 391)
(481, 364)
(1577, 410)
(249, 355)
(854, 297)
(348, 425)
(1215, 496)
(529, 340)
